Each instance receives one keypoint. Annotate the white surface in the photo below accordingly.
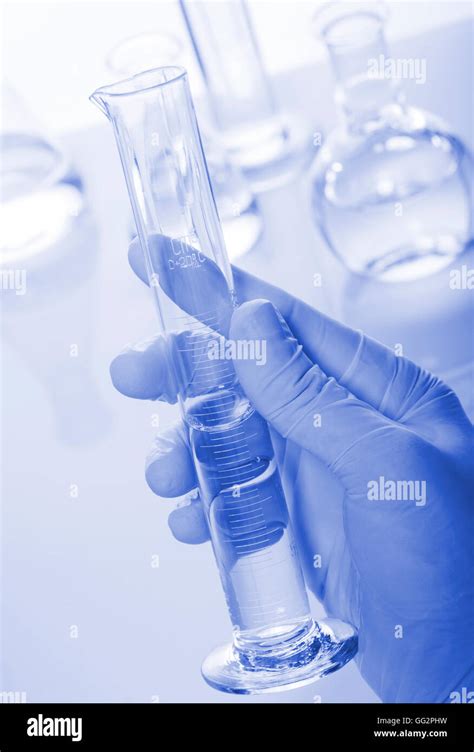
(86, 561)
(53, 52)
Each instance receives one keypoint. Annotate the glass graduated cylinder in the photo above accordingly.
(276, 642)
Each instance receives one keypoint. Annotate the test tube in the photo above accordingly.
(270, 146)
(275, 642)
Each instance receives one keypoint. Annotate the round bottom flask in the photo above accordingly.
(393, 201)
(391, 187)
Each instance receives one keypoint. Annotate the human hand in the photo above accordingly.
(350, 420)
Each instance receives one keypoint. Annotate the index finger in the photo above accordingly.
(365, 367)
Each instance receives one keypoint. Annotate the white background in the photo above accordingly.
(53, 52)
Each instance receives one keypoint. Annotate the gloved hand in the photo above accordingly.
(375, 456)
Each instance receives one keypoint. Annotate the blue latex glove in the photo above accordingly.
(349, 418)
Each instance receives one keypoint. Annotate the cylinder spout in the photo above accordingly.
(98, 99)
(115, 95)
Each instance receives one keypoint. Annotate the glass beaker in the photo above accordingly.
(276, 642)
(392, 186)
(41, 196)
(270, 146)
(238, 208)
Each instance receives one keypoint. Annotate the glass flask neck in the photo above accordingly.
(366, 84)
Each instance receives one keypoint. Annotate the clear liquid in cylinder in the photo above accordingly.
(248, 519)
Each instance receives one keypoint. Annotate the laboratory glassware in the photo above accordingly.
(41, 195)
(270, 146)
(276, 643)
(238, 208)
(391, 187)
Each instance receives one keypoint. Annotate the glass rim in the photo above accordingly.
(131, 85)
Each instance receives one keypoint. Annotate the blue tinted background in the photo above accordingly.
(86, 561)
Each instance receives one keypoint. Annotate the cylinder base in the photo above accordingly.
(333, 645)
